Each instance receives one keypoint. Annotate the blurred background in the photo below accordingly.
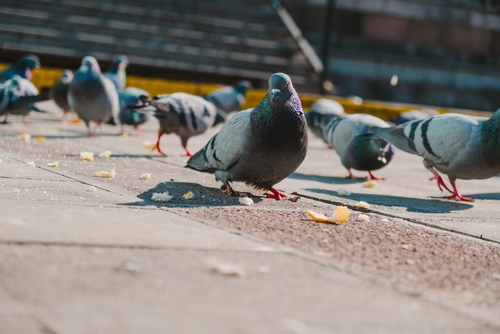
(443, 53)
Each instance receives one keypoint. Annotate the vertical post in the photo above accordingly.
(327, 33)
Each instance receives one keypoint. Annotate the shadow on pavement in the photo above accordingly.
(325, 179)
(203, 196)
(411, 204)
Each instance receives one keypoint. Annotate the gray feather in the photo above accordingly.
(91, 95)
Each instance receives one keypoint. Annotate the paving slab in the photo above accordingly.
(174, 291)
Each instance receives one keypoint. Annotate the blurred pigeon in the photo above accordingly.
(460, 146)
(91, 95)
(229, 98)
(116, 72)
(357, 146)
(127, 116)
(27, 95)
(60, 92)
(183, 114)
(23, 67)
(321, 110)
(259, 146)
(413, 115)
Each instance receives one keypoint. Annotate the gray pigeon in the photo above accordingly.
(229, 98)
(183, 114)
(59, 92)
(357, 146)
(27, 95)
(127, 116)
(91, 95)
(259, 146)
(320, 110)
(413, 115)
(117, 72)
(460, 146)
(22, 67)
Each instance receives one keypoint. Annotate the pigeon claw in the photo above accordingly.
(458, 197)
(276, 194)
(371, 176)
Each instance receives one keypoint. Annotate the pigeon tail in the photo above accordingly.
(396, 136)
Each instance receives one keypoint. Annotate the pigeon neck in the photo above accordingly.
(490, 140)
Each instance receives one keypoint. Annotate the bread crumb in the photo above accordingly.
(161, 197)
(370, 184)
(31, 163)
(1, 161)
(410, 262)
(87, 156)
(145, 176)
(340, 215)
(16, 191)
(364, 218)
(24, 136)
(109, 175)
(76, 121)
(245, 201)
(188, 195)
(149, 144)
(227, 269)
(54, 164)
(363, 205)
(385, 220)
(105, 155)
(92, 188)
(343, 192)
(39, 138)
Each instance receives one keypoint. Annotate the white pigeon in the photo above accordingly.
(460, 146)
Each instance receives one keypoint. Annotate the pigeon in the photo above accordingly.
(59, 92)
(259, 146)
(229, 98)
(116, 72)
(460, 146)
(413, 115)
(183, 114)
(27, 95)
(91, 95)
(22, 67)
(320, 110)
(131, 97)
(357, 146)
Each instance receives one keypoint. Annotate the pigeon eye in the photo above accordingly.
(287, 84)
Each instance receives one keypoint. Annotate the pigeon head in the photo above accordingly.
(119, 63)
(243, 86)
(89, 64)
(67, 75)
(24, 66)
(280, 88)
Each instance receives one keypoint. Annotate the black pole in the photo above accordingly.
(327, 33)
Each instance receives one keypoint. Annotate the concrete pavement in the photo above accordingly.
(76, 260)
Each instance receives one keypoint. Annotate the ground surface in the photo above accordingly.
(113, 260)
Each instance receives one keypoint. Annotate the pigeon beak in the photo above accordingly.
(274, 94)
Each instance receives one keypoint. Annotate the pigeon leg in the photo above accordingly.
(227, 189)
(188, 154)
(456, 195)
(5, 119)
(275, 194)
(157, 145)
(371, 176)
(350, 176)
(439, 180)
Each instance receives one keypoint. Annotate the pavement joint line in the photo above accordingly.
(264, 249)
(411, 220)
(33, 179)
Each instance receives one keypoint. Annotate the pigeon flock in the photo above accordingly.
(263, 145)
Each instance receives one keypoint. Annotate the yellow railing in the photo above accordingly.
(46, 77)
